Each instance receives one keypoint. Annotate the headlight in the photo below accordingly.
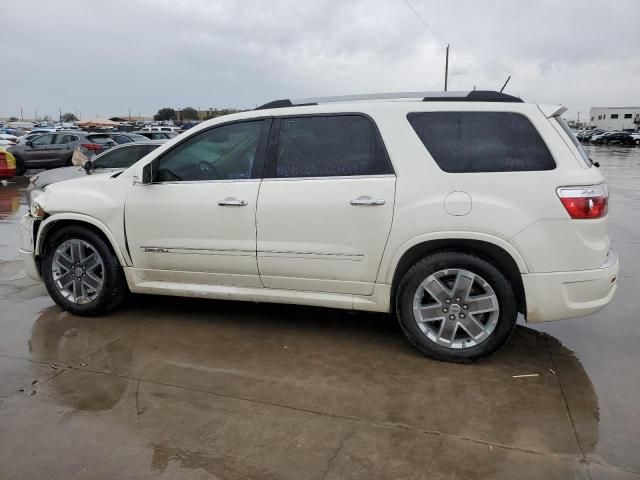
(37, 211)
(32, 195)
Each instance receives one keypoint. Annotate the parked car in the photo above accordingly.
(124, 137)
(7, 164)
(116, 158)
(636, 138)
(8, 140)
(154, 128)
(588, 134)
(156, 135)
(622, 138)
(56, 149)
(455, 215)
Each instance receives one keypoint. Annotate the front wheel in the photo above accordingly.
(20, 166)
(456, 307)
(81, 273)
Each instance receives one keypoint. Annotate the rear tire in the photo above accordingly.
(470, 318)
(81, 272)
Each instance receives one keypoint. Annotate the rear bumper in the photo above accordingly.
(560, 295)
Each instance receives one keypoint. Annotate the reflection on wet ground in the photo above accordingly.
(180, 388)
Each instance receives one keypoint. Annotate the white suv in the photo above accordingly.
(456, 211)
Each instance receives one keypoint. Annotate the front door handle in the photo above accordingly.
(366, 200)
(232, 202)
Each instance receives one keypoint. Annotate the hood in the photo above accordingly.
(98, 196)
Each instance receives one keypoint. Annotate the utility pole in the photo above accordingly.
(578, 121)
(60, 114)
(21, 116)
(446, 68)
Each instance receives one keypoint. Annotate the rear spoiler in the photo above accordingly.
(552, 110)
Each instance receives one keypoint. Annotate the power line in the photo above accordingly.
(424, 22)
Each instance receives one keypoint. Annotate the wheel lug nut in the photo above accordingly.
(448, 300)
(452, 317)
(462, 315)
(457, 299)
(466, 307)
(445, 309)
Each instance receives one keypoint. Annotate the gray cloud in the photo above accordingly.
(104, 58)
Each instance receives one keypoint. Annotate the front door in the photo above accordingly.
(195, 223)
(41, 149)
(325, 205)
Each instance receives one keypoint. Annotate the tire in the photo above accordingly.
(604, 142)
(20, 166)
(637, 142)
(82, 298)
(493, 328)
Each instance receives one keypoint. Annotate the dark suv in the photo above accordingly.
(56, 149)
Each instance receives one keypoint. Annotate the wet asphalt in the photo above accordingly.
(183, 388)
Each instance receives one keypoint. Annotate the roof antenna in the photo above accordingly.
(505, 83)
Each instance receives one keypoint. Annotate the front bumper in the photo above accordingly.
(27, 247)
(560, 295)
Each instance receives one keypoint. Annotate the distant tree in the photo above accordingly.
(188, 113)
(165, 114)
(68, 117)
(13, 119)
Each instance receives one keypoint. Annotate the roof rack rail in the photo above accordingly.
(466, 96)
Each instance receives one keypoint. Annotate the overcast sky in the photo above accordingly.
(106, 58)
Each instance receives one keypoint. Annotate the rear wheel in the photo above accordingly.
(456, 307)
(81, 273)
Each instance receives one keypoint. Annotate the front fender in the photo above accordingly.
(47, 224)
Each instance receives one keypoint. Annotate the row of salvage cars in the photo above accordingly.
(606, 137)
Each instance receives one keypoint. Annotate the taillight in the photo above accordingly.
(586, 202)
(94, 147)
(3, 160)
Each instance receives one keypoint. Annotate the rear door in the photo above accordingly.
(325, 205)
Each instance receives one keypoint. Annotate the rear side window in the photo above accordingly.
(100, 139)
(482, 141)
(329, 146)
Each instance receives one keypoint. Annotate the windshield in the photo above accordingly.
(574, 140)
(122, 157)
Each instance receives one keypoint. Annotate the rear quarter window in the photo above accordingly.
(462, 142)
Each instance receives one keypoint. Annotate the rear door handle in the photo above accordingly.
(232, 202)
(366, 200)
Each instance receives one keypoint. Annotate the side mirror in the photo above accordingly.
(29, 144)
(148, 172)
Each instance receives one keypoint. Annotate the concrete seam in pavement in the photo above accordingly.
(566, 406)
(376, 423)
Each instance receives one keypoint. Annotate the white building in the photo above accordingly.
(615, 118)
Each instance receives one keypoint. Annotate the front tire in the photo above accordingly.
(81, 272)
(456, 307)
(20, 166)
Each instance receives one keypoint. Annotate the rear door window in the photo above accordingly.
(482, 141)
(329, 146)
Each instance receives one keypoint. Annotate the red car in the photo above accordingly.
(7, 164)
